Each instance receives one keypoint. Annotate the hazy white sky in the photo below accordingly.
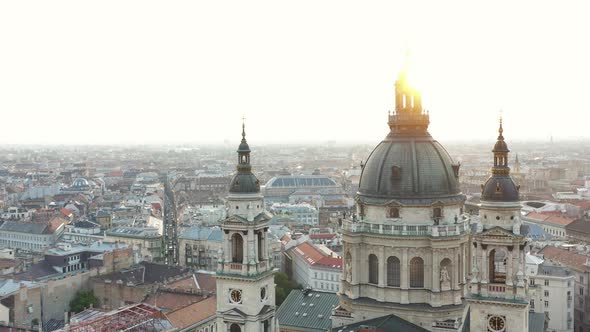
(299, 71)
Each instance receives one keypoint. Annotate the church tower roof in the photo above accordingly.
(500, 187)
(244, 182)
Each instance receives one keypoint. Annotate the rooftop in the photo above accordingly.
(202, 233)
(194, 313)
(382, 324)
(315, 257)
(299, 181)
(565, 257)
(135, 232)
(307, 310)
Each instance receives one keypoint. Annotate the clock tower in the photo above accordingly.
(498, 294)
(245, 274)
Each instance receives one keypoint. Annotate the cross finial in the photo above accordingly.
(501, 130)
(243, 127)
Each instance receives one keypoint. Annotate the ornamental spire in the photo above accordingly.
(244, 151)
(501, 153)
(409, 117)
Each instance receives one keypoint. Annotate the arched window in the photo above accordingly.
(393, 212)
(417, 272)
(497, 266)
(373, 269)
(237, 244)
(235, 328)
(393, 272)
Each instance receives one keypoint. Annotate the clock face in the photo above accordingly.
(263, 293)
(235, 296)
(496, 323)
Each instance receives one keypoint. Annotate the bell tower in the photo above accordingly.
(245, 273)
(498, 293)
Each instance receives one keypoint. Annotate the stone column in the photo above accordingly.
(382, 267)
(405, 273)
(483, 268)
(509, 265)
(435, 271)
(355, 261)
(455, 266)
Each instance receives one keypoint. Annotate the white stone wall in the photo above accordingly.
(554, 295)
(325, 280)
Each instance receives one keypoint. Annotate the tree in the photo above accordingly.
(283, 287)
(83, 299)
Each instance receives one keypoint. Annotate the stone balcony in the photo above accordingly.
(400, 229)
(230, 268)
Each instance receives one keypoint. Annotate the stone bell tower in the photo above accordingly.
(245, 274)
(498, 293)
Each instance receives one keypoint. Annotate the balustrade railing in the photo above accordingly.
(364, 226)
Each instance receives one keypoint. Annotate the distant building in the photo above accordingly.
(135, 284)
(314, 269)
(198, 247)
(302, 213)
(147, 240)
(20, 303)
(579, 230)
(30, 236)
(83, 231)
(307, 187)
(554, 224)
(580, 267)
(553, 292)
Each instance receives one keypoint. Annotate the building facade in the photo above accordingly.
(146, 240)
(311, 268)
(198, 247)
(580, 267)
(552, 293)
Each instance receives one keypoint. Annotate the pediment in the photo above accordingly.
(498, 232)
(393, 202)
(234, 313)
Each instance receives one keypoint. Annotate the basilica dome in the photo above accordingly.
(409, 168)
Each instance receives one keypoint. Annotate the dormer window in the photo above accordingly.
(393, 212)
(437, 214)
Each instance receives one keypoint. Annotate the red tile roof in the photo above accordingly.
(314, 257)
(169, 301)
(551, 218)
(330, 262)
(53, 225)
(116, 174)
(565, 257)
(66, 212)
(193, 313)
(309, 253)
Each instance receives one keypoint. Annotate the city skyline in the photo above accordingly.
(150, 74)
